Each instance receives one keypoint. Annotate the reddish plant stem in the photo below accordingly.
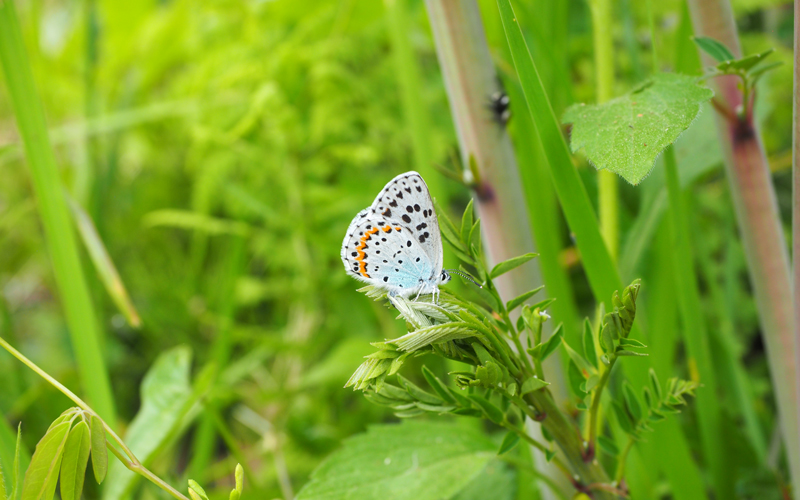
(759, 225)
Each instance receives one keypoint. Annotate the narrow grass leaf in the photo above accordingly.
(42, 474)
(572, 195)
(103, 264)
(73, 290)
(76, 458)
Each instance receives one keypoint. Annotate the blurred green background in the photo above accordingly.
(221, 149)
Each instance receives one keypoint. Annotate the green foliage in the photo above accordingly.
(635, 415)
(444, 457)
(168, 403)
(185, 130)
(625, 135)
(63, 453)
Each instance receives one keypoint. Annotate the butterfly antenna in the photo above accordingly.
(464, 275)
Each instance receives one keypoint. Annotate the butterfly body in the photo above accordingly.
(395, 243)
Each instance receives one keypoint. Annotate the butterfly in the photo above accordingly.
(395, 243)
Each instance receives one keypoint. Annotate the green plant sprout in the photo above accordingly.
(503, 384)
(63, 453)
(748, 68)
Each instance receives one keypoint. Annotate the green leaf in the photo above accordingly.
(744, 63)
(466, 222)
(197, 489)
(444, 457)
(632, 402)
(576, 379)
(76, 458)
(623, 419)
(545, 349)
(630, 353)
(509, 441)
(239, 478)
(417, 392)
(16, 480)
(42, 474)
(448, 229)
(491, 411)
(532, 384)
(713, 48)
(608, 445)
(497, 481)
(168, 403)
(518, 301)
(585, 367)
(99, 449)
(512, 263)
(437, 385)
(629, 342)
(655, 384)
(588, 343)
(3, 494)
(549, 454)
(625, 135)
(756, 73)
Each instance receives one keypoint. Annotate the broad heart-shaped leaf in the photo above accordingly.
(626, 135)
(42, 474)
(166, 394)
(76, 458)
(415, 460)
(497, 481)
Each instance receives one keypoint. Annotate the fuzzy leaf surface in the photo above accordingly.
(625, 135)
(412, 461)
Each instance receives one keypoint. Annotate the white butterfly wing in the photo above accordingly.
(406, 201)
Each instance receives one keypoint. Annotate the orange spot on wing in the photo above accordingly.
(362, 266)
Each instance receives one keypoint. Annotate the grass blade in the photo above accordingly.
(575, 202)
(30, 115)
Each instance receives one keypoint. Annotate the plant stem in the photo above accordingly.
(796, 210)
(608, 188)
(470, 78)
(63, 249)
(519, 464)
(594, 411)
(760, 228)
(128, 459)
(622, 459)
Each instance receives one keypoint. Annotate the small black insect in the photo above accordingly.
(499, 104)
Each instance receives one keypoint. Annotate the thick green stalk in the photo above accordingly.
(569, 439)
(695, 335)
(760, 228)
(608, 189)
(63, 249)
